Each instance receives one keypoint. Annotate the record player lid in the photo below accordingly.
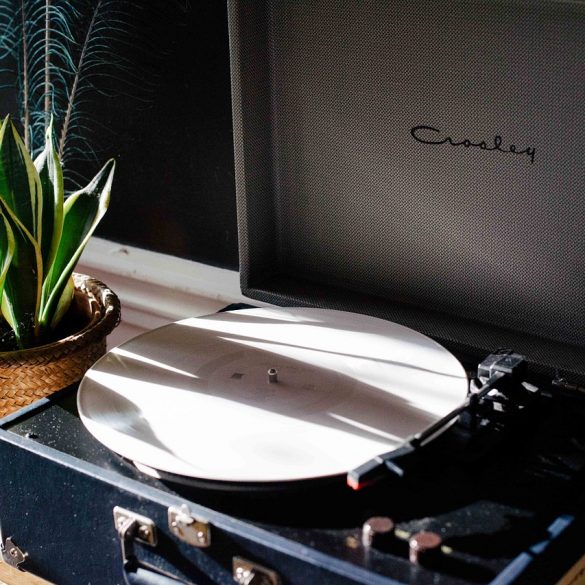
(268, 395)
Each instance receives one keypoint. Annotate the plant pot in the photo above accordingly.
(29, 374)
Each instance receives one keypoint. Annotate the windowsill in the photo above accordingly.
(156, 289)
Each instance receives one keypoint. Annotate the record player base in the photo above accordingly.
(59, 488)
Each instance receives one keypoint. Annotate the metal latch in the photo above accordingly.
(11, 554)
(130, 527)
(248, 573)
(188, 528)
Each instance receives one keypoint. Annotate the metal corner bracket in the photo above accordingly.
(11, 554)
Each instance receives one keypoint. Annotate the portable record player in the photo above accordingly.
(411, 197)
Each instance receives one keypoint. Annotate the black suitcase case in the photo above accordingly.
(414, 161)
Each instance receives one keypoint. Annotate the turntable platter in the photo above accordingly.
(268, 395)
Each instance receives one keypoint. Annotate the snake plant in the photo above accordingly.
(42, 234)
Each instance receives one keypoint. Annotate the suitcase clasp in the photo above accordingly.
(188, 528)
(246, 572)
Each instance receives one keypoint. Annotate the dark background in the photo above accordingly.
(174, 188)
(169, 127)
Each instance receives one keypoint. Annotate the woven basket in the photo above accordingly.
(29, 374)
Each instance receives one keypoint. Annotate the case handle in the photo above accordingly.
(134, 527)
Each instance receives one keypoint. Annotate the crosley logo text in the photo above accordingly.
(430, 135)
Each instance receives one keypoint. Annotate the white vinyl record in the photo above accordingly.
(268, 395)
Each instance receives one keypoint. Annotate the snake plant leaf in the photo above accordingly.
(64, 303)
(50, 173)
(20, 185)
(82, 212)
(7, 246)
(22, 286)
